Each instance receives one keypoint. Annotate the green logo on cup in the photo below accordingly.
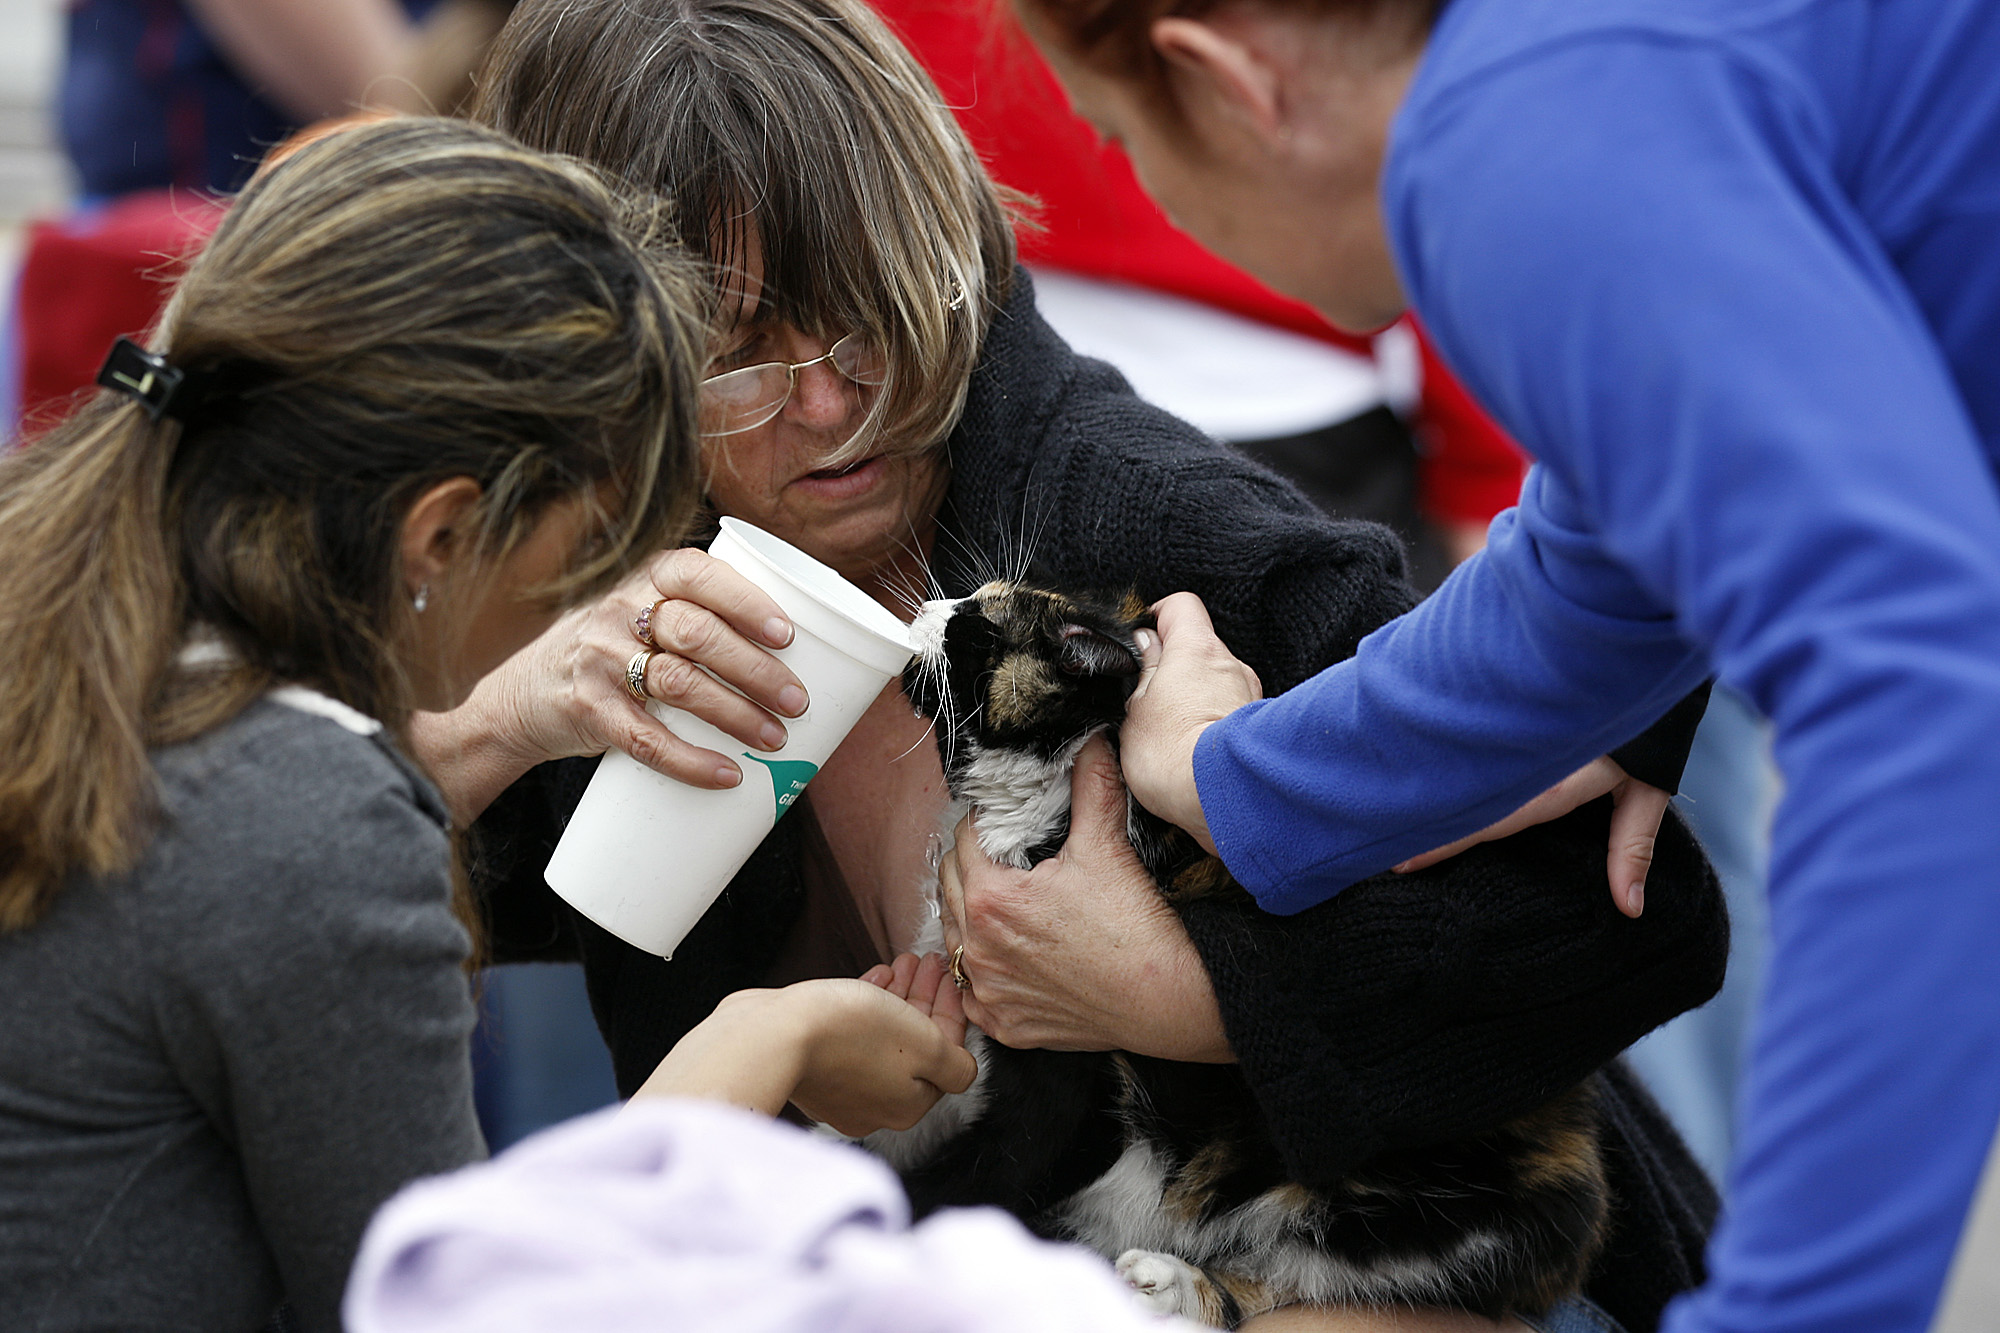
(788, 778)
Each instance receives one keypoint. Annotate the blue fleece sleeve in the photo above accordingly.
(1534, 657)
(1639, 254)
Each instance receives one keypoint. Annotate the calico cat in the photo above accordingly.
(1161, 1165)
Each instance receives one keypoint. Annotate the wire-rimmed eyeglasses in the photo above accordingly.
(740, 400)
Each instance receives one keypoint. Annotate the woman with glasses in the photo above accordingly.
(884, 395)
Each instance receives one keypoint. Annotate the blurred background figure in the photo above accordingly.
(34, 180)
(159, 105)
(1371, 427)
(189, 93)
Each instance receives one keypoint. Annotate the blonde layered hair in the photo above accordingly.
(391, 307)
(807, 121)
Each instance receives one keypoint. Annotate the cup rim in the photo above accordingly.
(823, 586)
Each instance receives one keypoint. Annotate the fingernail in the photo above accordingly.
(1146, 639)
(792, 701)
(1636, 899)
(772, 735)
(778, 631)
(728, 774)
(1402, 869)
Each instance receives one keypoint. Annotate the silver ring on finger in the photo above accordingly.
(635, 673)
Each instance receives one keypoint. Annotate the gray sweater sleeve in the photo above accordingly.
(318, 1007)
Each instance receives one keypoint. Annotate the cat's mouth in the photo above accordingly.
(927, 630)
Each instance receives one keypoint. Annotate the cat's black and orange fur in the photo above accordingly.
(1165, 1166)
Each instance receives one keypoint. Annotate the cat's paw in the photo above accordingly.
(1161, 1282)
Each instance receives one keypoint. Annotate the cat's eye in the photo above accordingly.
(1086, 652)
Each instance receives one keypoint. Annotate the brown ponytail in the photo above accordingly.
(394, 306)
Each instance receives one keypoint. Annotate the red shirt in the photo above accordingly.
(89, 278)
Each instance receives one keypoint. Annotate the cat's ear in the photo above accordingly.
(1087, 652)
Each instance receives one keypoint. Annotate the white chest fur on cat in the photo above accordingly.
(1020, 801)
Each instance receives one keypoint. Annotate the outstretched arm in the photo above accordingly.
(1192, 681)
(320, 58)
(1714, 331)
(858, 1055)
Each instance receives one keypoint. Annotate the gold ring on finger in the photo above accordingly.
(635, 673)
(958, 977)
(642, 624)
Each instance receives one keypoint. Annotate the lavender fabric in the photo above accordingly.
(693, 1216)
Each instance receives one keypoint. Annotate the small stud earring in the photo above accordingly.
(422, 599)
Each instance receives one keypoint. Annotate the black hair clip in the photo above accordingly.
(159, 387)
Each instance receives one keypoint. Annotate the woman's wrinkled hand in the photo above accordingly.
(565, 694)
(1636, 811)
(1188, 680)
(1080, 953)
(852, 1054)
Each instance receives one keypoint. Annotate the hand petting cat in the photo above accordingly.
(1636, 811)
(1080, 953)
(1189, 680)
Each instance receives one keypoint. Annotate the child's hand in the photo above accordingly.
(854, 1055)
(878, 1059)
(925, 983)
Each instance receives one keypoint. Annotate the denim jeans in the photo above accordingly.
(1692, 1065)
(1578, 1314)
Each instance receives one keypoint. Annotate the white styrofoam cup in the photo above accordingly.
(645, 856)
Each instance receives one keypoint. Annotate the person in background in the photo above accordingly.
(1370, 426)
(422, 390)
(1733, 272)
(189, 94)
(166, 105)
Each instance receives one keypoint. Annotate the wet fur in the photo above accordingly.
(1165, 1166)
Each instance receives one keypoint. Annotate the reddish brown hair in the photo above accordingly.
(1114, 36)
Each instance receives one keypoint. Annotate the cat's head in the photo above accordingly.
(1021, 668)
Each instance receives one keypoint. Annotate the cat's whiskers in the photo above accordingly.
(977, 561)
(929, 731)
(1017, 550)
(1030, 541)
(921, 566)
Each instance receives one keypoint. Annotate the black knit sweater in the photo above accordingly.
(1426, 1007)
